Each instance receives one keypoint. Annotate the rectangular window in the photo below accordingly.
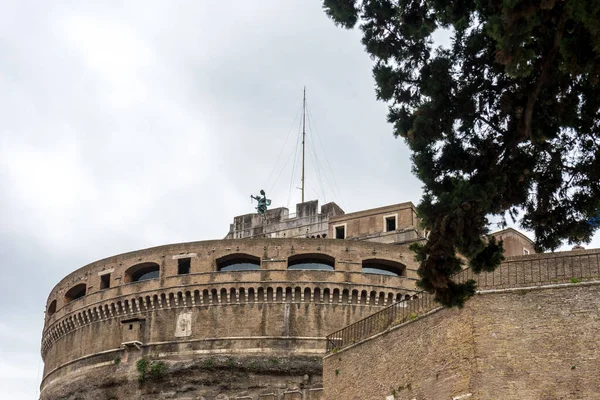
(340, 232)
(390, 223)
(525, 251)
(104, 281)
(183, 266)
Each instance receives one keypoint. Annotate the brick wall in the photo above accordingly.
(513, 344)
(370, 224)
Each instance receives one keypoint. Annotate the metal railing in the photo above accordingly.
(534, 271)
(395, 314)
(516, 272)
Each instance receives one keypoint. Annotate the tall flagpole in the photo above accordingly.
(303, 138)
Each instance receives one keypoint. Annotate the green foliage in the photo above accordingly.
(503, 122)
(150, 370)
(343, 12)
(117, 360)
(142, 368)
(157, 370)
(490, 256)
(574, 280)
(208, 363)
(337, 372)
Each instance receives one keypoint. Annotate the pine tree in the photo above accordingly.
(503, 122)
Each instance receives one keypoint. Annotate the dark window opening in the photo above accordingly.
(238, 262)
(75, 292)
(104, 281)
(142, 272)
(52, 308)
(390, 224)
(320, 262)
(340, 232)
(383, 267)
(145, 275)
(130, 326)
(183, 266)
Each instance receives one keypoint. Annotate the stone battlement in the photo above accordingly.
(235, 298)
(528, 272)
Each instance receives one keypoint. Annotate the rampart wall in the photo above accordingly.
(257, 324)
(529, 333)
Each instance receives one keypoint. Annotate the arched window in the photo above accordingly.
(321, 262)
(75, 292)
(383, 267)
(238, 262)
(52, 308)
(142, 272)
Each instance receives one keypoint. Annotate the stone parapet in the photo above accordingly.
(516, 344)
(178, 314)
(515, 272)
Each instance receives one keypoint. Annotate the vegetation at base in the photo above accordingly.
(502, 122)
(157, 370)
(142, 367)
(117, 360)
(208, 363)
(147, 369)
(574, 280)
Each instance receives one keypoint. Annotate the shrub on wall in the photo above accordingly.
(150, 369)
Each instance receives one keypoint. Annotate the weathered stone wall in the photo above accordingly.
(527, 343)
(307, 222)
(273, 254)
(271, 312)
(369, 225)
(200, 378)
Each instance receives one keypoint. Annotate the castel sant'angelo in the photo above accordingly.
(245, 317)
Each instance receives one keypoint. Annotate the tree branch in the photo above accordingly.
(490, 124)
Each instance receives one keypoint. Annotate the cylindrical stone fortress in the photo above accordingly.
(238, 318)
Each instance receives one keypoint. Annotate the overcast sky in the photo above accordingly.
(129, 126)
